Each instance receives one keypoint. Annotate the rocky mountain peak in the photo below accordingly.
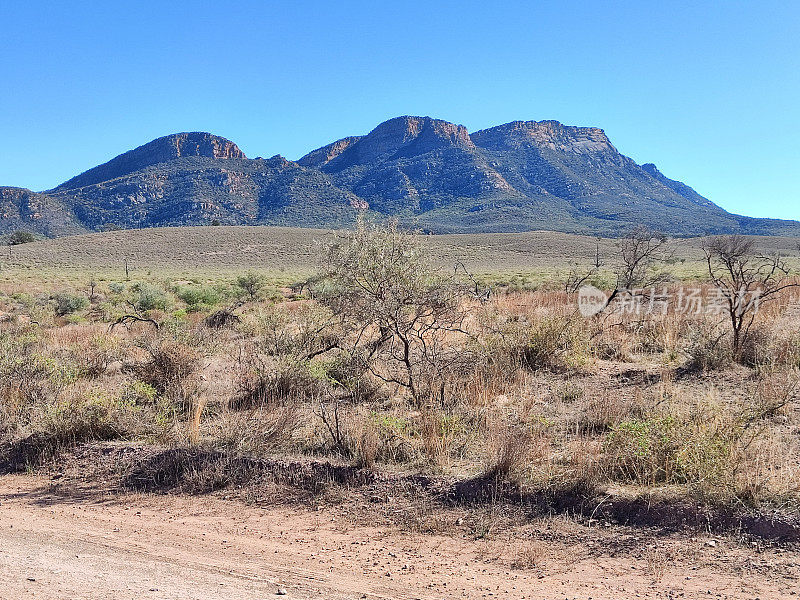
(163, 149)
(195, 144)
(425, 132)
(404, 136)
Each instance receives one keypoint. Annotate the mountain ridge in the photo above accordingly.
(163, 149)
(429, 173)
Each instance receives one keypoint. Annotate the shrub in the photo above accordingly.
(258, 431)
(139, 392)
(94, 416)
(544, 343)
(196, 296)
(93, 358)
(310, 330)
(26, 377)
(222, 319)
(144, 297)
(405, 315)
(170, 370)
(68, 303)
(708, 348)
(696, 449)
(251, 284)
(21, 237)
(277, 383)
(511, 446)
(61, 423)
(443, 435)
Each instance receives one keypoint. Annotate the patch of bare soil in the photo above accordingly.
(77, 534)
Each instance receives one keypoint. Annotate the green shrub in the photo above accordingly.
(696, 449)
(145, 296)
(546, 343)
(195, 296)
(251, 285)
(139, 392)
(58, 424)
(21, 237)
(68, 303)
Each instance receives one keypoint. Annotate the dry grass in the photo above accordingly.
(551, 400)
(521, 260)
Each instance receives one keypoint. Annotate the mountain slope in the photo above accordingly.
(431, 174)
(409, 165)
(200, 190)
(580, 166)
(161, 150)
(25, 210)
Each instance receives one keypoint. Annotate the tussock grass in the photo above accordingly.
(528, 393)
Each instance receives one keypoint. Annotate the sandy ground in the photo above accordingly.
(56, 545)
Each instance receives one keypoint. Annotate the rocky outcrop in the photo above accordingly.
(322, 156)
(550, 135)
(24, 210)
(161, 150)
(432, 174)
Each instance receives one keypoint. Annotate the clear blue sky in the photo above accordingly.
(709, 91)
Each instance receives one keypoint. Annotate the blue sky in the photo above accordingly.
(709, 91)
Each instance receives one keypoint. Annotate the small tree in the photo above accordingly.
(642, 253)
(251, 284)
(398, 307)
(745, 279)
(21, 237)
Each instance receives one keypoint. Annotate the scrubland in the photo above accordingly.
(378, 366)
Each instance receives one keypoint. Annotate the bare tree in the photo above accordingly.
(745, 279)
(577, 277)
(482, 295)
(642, 254)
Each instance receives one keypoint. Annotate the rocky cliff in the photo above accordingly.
(429, 173)
(161, 150)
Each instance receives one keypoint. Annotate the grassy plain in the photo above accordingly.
(286, 255)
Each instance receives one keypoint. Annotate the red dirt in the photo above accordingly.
(88, 544)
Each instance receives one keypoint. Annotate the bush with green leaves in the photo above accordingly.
(68, 303)
(198, 296)
(28, 378)
(552, 342)
(404, 313)
(145, 296)
(697, 449)
(251, 285)
(21, 237)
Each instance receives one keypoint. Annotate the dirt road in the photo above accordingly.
(104, 546)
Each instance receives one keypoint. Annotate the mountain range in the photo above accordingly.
(430, 174)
